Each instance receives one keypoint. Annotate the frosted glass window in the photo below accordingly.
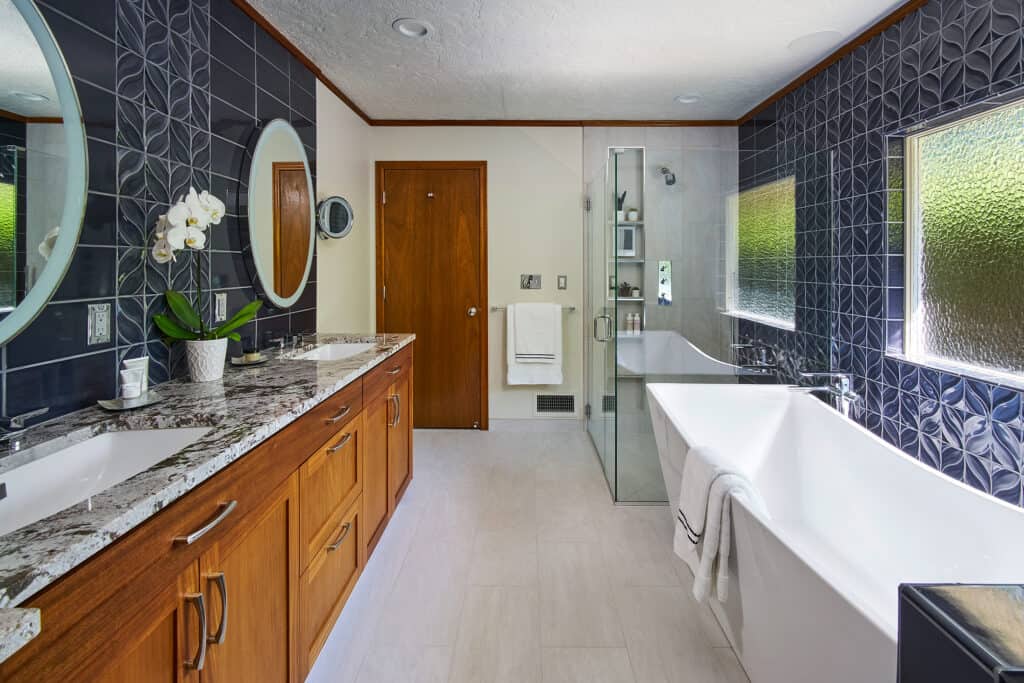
(967, 242)
(765, 252)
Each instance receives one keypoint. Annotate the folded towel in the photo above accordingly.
(534, 343)
(704, 519)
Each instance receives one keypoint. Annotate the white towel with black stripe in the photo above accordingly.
(704, 519)
(534, 343)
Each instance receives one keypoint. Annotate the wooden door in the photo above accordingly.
(291, 226)
(400, 440)
(172, 637)
(254, 574)
(376, 419)
(432, 280)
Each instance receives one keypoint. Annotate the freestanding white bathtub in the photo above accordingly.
(813, 591)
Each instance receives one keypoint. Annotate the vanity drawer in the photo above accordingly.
(328, 581)
(387, 373)
(324, 421)
(328, 483)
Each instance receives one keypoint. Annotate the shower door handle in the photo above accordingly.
(608, 328)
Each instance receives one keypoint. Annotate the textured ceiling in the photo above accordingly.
(23, 68)
(566, 59)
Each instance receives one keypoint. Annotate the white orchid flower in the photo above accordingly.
(162, 250)
(214, 207)
(181, 236)
(189, 212)
(46, 246)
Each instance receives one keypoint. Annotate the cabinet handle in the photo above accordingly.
(345, 528)
(200, 659)
(226, 509)
(341, 414)
(394, 402)
(341, 444)
(395, 370)
(398, 409)
(222, 629)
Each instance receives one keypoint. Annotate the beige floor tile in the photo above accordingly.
(504, 558)
(577, 609)
(637, 547)
(587, 665)
(406, 665)
(565, 513)
(498, 638)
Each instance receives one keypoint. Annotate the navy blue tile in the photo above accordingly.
(230, 51)
(230, 88)
(89, 55)
(98, 111)
(58, 332)
(102, 167)
(230, 17)
(99, 226)
(63, 386)
(268, 107)
(230, 123)
(274, 81)
(92, 274)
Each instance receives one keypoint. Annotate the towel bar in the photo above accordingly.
(570, 309)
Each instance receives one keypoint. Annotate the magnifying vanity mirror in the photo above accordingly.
(281, 217)
(42, 166)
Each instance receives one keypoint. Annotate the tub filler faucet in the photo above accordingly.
(762, 359)
(838, 389)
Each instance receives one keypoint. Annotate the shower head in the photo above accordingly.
(670, 177)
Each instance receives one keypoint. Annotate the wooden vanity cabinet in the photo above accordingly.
(287, 535)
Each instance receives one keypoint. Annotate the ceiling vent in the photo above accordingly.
(556, 404)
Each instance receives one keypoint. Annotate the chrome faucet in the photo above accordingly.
(11, 428)
(838, 390)
(765, 360)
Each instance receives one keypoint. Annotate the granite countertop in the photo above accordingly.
(244, 409)
(17, 627)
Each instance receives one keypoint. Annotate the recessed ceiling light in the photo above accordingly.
(29, 96)
(412, 28)
(687, 99)
(816, 42)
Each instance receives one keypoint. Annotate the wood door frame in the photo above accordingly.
(481, 168)
(276, 168)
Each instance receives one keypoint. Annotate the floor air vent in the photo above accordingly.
(557, 404)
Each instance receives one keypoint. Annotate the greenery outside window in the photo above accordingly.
(965, 244)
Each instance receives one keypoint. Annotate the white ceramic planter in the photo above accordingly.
(206, 359)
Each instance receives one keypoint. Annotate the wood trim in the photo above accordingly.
(867, 34)
(481, 168)
(265, 24)
(29, 119)
(556, 123)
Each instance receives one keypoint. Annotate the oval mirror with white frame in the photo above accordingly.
(281, 216)
(43, 166)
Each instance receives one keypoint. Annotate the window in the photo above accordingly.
(965, 242)
(764, 254)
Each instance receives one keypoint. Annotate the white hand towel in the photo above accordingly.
(533, 341)
(704, 518)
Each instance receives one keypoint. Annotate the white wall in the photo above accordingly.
(344, 166)
(535, 218)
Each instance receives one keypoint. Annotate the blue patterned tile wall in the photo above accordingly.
(171, 92)
(941, 58)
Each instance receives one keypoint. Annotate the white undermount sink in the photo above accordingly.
(73, 474)
(334, 351)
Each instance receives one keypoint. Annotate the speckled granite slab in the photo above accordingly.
(244, 409)
(17, 627)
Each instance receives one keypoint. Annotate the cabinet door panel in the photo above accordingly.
(400, 441)
(260, 576)
(375, 468)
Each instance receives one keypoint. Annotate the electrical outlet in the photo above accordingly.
(529, 281)
(563, 282)
(98, 328)
(220, 307)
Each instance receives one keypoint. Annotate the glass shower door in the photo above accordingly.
(601, 335)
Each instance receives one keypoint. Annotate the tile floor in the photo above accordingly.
(506, 561)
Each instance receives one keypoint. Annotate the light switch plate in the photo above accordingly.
(529, 281)
(563, 282)
(220, 307)
(98, 328)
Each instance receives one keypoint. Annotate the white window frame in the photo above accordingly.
(912, 231)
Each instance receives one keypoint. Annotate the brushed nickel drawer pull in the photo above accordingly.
(395, 370)
(222, 586)
(199, 660)
(394, 402)
(345, 528)
(341, 444)
(341, 414)
(226, 509)
(398, 408)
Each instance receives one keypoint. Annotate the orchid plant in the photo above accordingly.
(184, 227)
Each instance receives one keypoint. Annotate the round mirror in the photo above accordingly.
(42, 166)
(334, 217)
(281, 224)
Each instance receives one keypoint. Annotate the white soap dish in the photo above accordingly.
(118, 404)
